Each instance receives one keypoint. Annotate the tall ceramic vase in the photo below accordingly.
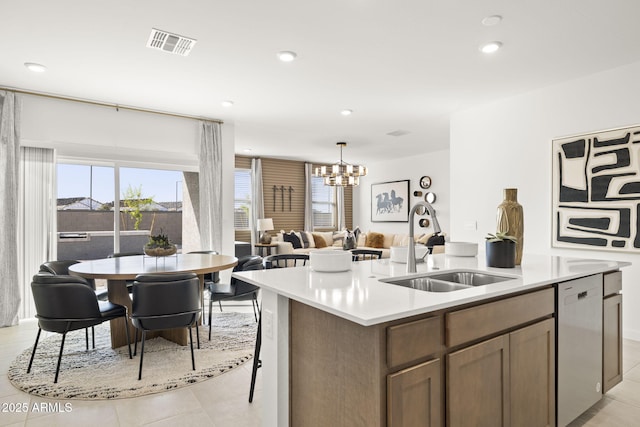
(511, 219)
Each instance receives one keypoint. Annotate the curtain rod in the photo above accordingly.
(107, 104)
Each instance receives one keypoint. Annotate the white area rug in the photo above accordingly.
(106, 373)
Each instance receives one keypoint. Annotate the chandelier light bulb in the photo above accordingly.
(341, 174)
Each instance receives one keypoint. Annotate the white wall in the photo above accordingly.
(132, 138)
(435, 165)
(508, 144)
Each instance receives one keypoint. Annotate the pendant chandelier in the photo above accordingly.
(341, 174)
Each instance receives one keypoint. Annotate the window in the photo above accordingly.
(323, 203)
(150, 203)
(242, 199)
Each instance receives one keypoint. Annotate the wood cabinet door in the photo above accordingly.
(478, 384)
(532, 375)
(612, 342)
(414, 396)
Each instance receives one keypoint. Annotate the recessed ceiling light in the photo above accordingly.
(491, 47)
(247, 150)
(287, 56)
(346, 112)
(227, 103)
(36, 68)
(492, 20)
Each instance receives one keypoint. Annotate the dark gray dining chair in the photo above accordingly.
(67, 303)
(237, 289)
(61, 268)
(165, 301)
(285, 260)
(365, 254)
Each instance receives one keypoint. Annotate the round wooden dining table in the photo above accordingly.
(120, 269)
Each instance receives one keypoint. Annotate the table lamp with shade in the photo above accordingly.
(264, 225)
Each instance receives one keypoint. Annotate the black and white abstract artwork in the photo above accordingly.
(390, 201)
(596, 190)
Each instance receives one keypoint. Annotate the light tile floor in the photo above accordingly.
(621, 405)
(219, 402)
(223, 401)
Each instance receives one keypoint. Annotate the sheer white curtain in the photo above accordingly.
(36, 218)
(308, 199)
(9, 169)
(257, 198)
(340, 204)
(210, 178)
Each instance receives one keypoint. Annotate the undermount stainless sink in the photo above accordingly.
(428, 284)
(448, 282)
(471, 278)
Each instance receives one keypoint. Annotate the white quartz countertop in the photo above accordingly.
(359, 295)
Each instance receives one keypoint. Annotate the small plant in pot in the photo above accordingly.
(160, 245)
(501, 250)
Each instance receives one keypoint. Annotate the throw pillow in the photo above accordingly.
(304, 239)
(423, 239)
(319, 241)
(293, 239)
(312, 243)
(388, 240)
(338, 238)
(375, 240)
(327, 236)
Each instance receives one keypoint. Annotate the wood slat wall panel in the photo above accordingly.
(348, 207)
(243, 162)
(284, 173)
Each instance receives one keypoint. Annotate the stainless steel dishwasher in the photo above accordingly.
(579, 320)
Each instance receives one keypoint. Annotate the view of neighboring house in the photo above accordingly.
(79, 203)
(86, 203)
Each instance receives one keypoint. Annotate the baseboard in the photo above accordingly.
(631, 334)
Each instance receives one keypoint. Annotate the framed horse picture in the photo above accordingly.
(390, 201)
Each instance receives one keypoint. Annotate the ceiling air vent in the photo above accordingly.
(399, 132)
(170, 43)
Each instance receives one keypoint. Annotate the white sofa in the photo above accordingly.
(334, 241)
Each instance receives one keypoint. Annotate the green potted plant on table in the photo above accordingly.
(160, 245)
(501, 250)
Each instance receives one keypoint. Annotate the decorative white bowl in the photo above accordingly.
(399, 253)
(330, 261)
(461, 248)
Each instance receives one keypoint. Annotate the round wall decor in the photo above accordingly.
(430, 197)
(425, 182)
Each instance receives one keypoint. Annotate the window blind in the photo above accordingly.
(242, 199)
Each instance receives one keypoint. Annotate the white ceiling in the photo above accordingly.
(398, 64)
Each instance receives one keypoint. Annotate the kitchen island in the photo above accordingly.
(349, 349)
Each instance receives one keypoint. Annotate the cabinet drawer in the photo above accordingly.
(612, 283)
(414, 340)
(486, 319)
